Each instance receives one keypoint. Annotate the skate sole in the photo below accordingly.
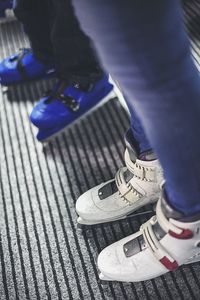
(131, 214)
(105, 278)
(108, 97)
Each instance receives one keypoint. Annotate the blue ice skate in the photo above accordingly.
(66, 104)
(5, 4)
(23, 67)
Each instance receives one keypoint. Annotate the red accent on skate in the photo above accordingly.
(184, 235)
(171, 266)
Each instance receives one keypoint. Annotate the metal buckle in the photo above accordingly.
(69, 102)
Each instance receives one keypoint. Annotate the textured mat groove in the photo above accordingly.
(43, 255)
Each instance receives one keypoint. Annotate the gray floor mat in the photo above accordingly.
(42, 253)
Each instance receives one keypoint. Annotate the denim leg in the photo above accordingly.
(144, 45)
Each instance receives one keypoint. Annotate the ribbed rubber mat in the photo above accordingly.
(43, 255)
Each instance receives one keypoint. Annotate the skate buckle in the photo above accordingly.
(186, 234)
(171, 266)
(88, 87)
(142, 172)
(69, 102)
(172, 229)
(126, 191)
(156, 248)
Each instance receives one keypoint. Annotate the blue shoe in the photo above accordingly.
(23, 67)
(5, 4)
(65, 105)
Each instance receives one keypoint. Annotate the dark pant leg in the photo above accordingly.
(144, 45)
(34, 15)
(55, 35)
(72, 49)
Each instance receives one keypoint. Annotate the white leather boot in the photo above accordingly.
(134, 186)
(163, 243)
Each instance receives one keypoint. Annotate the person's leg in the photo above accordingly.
(34, 15)
(38, 61)
(139, 134)
(72, 49)
(145, 47)
(82, 83)
(135, 185)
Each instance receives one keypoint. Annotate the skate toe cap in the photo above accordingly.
(49, 115)
(114, 265)
(109, 263)
(85, 207)
(8, 73)
(1, 68)
(88, 207)
(42, 118)
(37, 117)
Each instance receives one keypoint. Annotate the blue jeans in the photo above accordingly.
(138, 132)
(144, 45)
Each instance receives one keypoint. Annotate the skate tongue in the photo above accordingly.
(107, 190)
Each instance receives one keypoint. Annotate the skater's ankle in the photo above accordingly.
(131, 143)
(85, 76)
(171, 210)
(45, 58)
(144, 153)
(147, 155)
